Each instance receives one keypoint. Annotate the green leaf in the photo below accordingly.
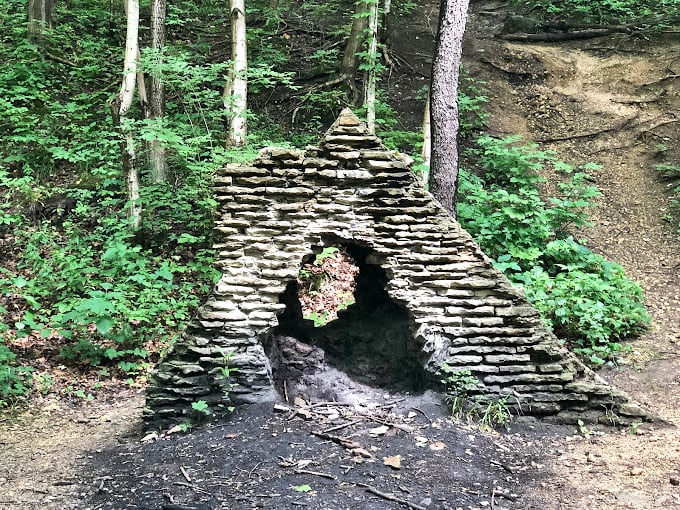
(302, 488)
(104, 325)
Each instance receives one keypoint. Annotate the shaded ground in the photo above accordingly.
(605, 100)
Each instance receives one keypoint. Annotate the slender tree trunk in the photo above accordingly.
(387, 9)
(369, 82)
(444, 102)
(350, 59)
(120, 106)
(427, 137)
(236, 89)
(157, 153)
(39, 18)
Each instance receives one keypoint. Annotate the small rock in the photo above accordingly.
(425, 502)
(636, 471)
(590, 458)
(674, 480)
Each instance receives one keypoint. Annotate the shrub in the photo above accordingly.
(586, 299)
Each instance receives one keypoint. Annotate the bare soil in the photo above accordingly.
(607, 100)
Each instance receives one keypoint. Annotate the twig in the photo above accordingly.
(423, 413)
(667, 77)
(316, 473)
(504, 466)
(341, 426)
(331, 404)
(391, 497)
(175, 506)
(185, 474)
(391, 404)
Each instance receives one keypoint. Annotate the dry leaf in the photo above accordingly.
(300, 402)
(437, 446)
(379, 430)
(394, 461)
(421, 441)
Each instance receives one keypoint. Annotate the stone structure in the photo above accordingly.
(454, 307)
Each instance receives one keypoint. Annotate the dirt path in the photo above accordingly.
(608, 101)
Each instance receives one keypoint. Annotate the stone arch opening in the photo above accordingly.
(371, 341)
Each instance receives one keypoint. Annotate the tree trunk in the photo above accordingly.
(39, 18)
(350, 59)
(427, 138)
(369, 82)
(157, 154)
(236, 89)
(120, 105)
(387, 9)
(444, 102)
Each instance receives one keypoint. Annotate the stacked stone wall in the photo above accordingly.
(351, 190)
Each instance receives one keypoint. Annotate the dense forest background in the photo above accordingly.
(86, 297)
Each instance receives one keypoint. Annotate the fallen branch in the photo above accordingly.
(391, 497)
(642, 100)
(60, 60)
(559, 36)
(619, 126)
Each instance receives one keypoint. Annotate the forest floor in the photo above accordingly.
(614, 101)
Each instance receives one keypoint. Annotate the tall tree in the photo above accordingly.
(120, 105)
(236, 88)
(350, 59)
(444, 102)
(371, 63)
(157, 153)
(39, 18)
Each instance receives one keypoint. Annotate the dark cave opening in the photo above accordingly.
(371, 340)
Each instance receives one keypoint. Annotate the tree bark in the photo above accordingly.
(350, 59)
(426, 152)
(157, 154)
(369, 83)
(39, 19)
(444, 102)
(120, 105)
(236, 88)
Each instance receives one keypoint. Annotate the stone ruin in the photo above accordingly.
(426, 295)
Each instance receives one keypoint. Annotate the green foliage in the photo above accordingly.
(459, 386)
(586, 299)
(329, 252)
(604, 11)
(201, 406)
(225, 375)
(14, 381)
(670, 173)
(471, 101)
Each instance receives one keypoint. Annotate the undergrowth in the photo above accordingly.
(603, 12)
(586, 299)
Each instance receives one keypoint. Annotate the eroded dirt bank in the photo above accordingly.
(613, 101)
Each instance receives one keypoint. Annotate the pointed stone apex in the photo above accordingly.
(348, 122)
(347, 118)
(348, 132)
